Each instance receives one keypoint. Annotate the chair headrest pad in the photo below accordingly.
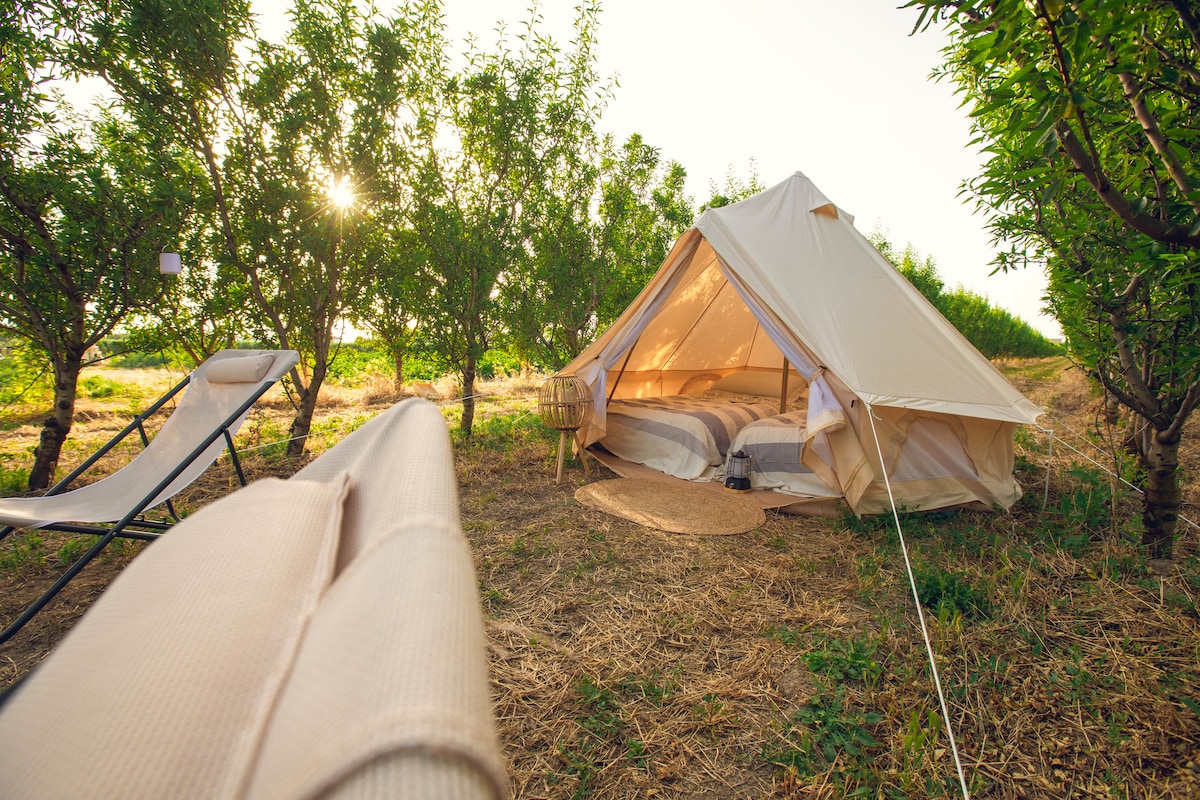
(241, 369)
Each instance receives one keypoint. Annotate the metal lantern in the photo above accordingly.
(737, 472)
(565, 404)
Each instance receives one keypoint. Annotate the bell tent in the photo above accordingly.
(774, 324)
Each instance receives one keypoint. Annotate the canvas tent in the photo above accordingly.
(784, 278)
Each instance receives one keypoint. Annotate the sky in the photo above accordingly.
(838, 90)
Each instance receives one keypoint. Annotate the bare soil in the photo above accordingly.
(788, 661)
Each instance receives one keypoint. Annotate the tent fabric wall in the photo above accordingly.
(784, 276)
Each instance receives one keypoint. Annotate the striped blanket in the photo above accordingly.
(686, 436)
(774, 445)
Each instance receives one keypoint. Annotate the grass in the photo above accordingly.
(787, 662)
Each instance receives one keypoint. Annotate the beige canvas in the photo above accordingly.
(784, 277)
(319, 637)
(164, 687)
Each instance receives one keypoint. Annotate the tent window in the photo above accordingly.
(932, 451)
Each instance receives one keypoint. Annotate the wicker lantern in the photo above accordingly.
(565, 404)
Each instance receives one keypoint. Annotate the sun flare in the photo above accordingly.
(341, 193)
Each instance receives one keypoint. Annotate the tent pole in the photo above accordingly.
(624, 364)
(783, 389)
(1049, 457)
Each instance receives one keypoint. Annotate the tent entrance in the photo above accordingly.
(765, 498)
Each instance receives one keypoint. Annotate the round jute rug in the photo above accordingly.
(673, 507)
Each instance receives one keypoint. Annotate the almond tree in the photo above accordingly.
(294, 141)
(85, 206)
(609, 219)
(1089, 115)
(509, 120)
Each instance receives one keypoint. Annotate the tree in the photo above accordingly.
(85, 205)
(391, 305)
(82, 218)
(294, 143)
(734, 188)
(643, 210)
(510, 120)
(1088, 114)
(607, 225)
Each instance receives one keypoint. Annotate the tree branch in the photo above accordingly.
(34, 217)
(1184, 9)
(1141, 397)
(1187, 405)
(1131, 88)
(1115, 201)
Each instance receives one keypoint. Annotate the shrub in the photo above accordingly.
(96, 387)
(944, 592)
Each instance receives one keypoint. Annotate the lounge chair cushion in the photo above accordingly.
(166, 686)
(388, 670)
(241, 369)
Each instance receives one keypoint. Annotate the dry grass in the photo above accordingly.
(627, 662)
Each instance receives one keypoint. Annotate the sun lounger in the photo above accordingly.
(213, 402)
(316, 637)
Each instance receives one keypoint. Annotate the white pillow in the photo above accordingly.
(764, 384)
(242, 369)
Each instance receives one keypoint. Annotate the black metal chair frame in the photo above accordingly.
(133, 525)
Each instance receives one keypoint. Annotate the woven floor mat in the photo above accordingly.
(677, 508)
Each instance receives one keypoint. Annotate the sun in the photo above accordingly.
(341, 193)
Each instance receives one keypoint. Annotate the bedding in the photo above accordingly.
(682, 435)
(762, 384)
(774, 445)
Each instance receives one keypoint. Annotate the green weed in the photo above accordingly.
(656, 687)
(591, 562)
(502, 432)
(918, 736)
(845, 659)
(600, 723)
(14, 480)
(97, 387)
(25, 551)
(946, 591)
(635, 751)
(73, 548)
(264, 436)
(1080, 513)
(824, 731)
(580, 763)
(785, 634)
(600, 706)
(711, 713)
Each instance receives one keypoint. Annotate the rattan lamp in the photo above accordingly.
(565, 404)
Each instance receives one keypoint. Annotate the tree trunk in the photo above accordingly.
(57, 425)
(468, 391)
(1112, 409)
(398, 366)
(302, 424)
(1163, 499)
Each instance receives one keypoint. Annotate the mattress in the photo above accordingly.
(682, 435)
(775, 445)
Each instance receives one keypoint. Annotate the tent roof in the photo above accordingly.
(824, 290)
